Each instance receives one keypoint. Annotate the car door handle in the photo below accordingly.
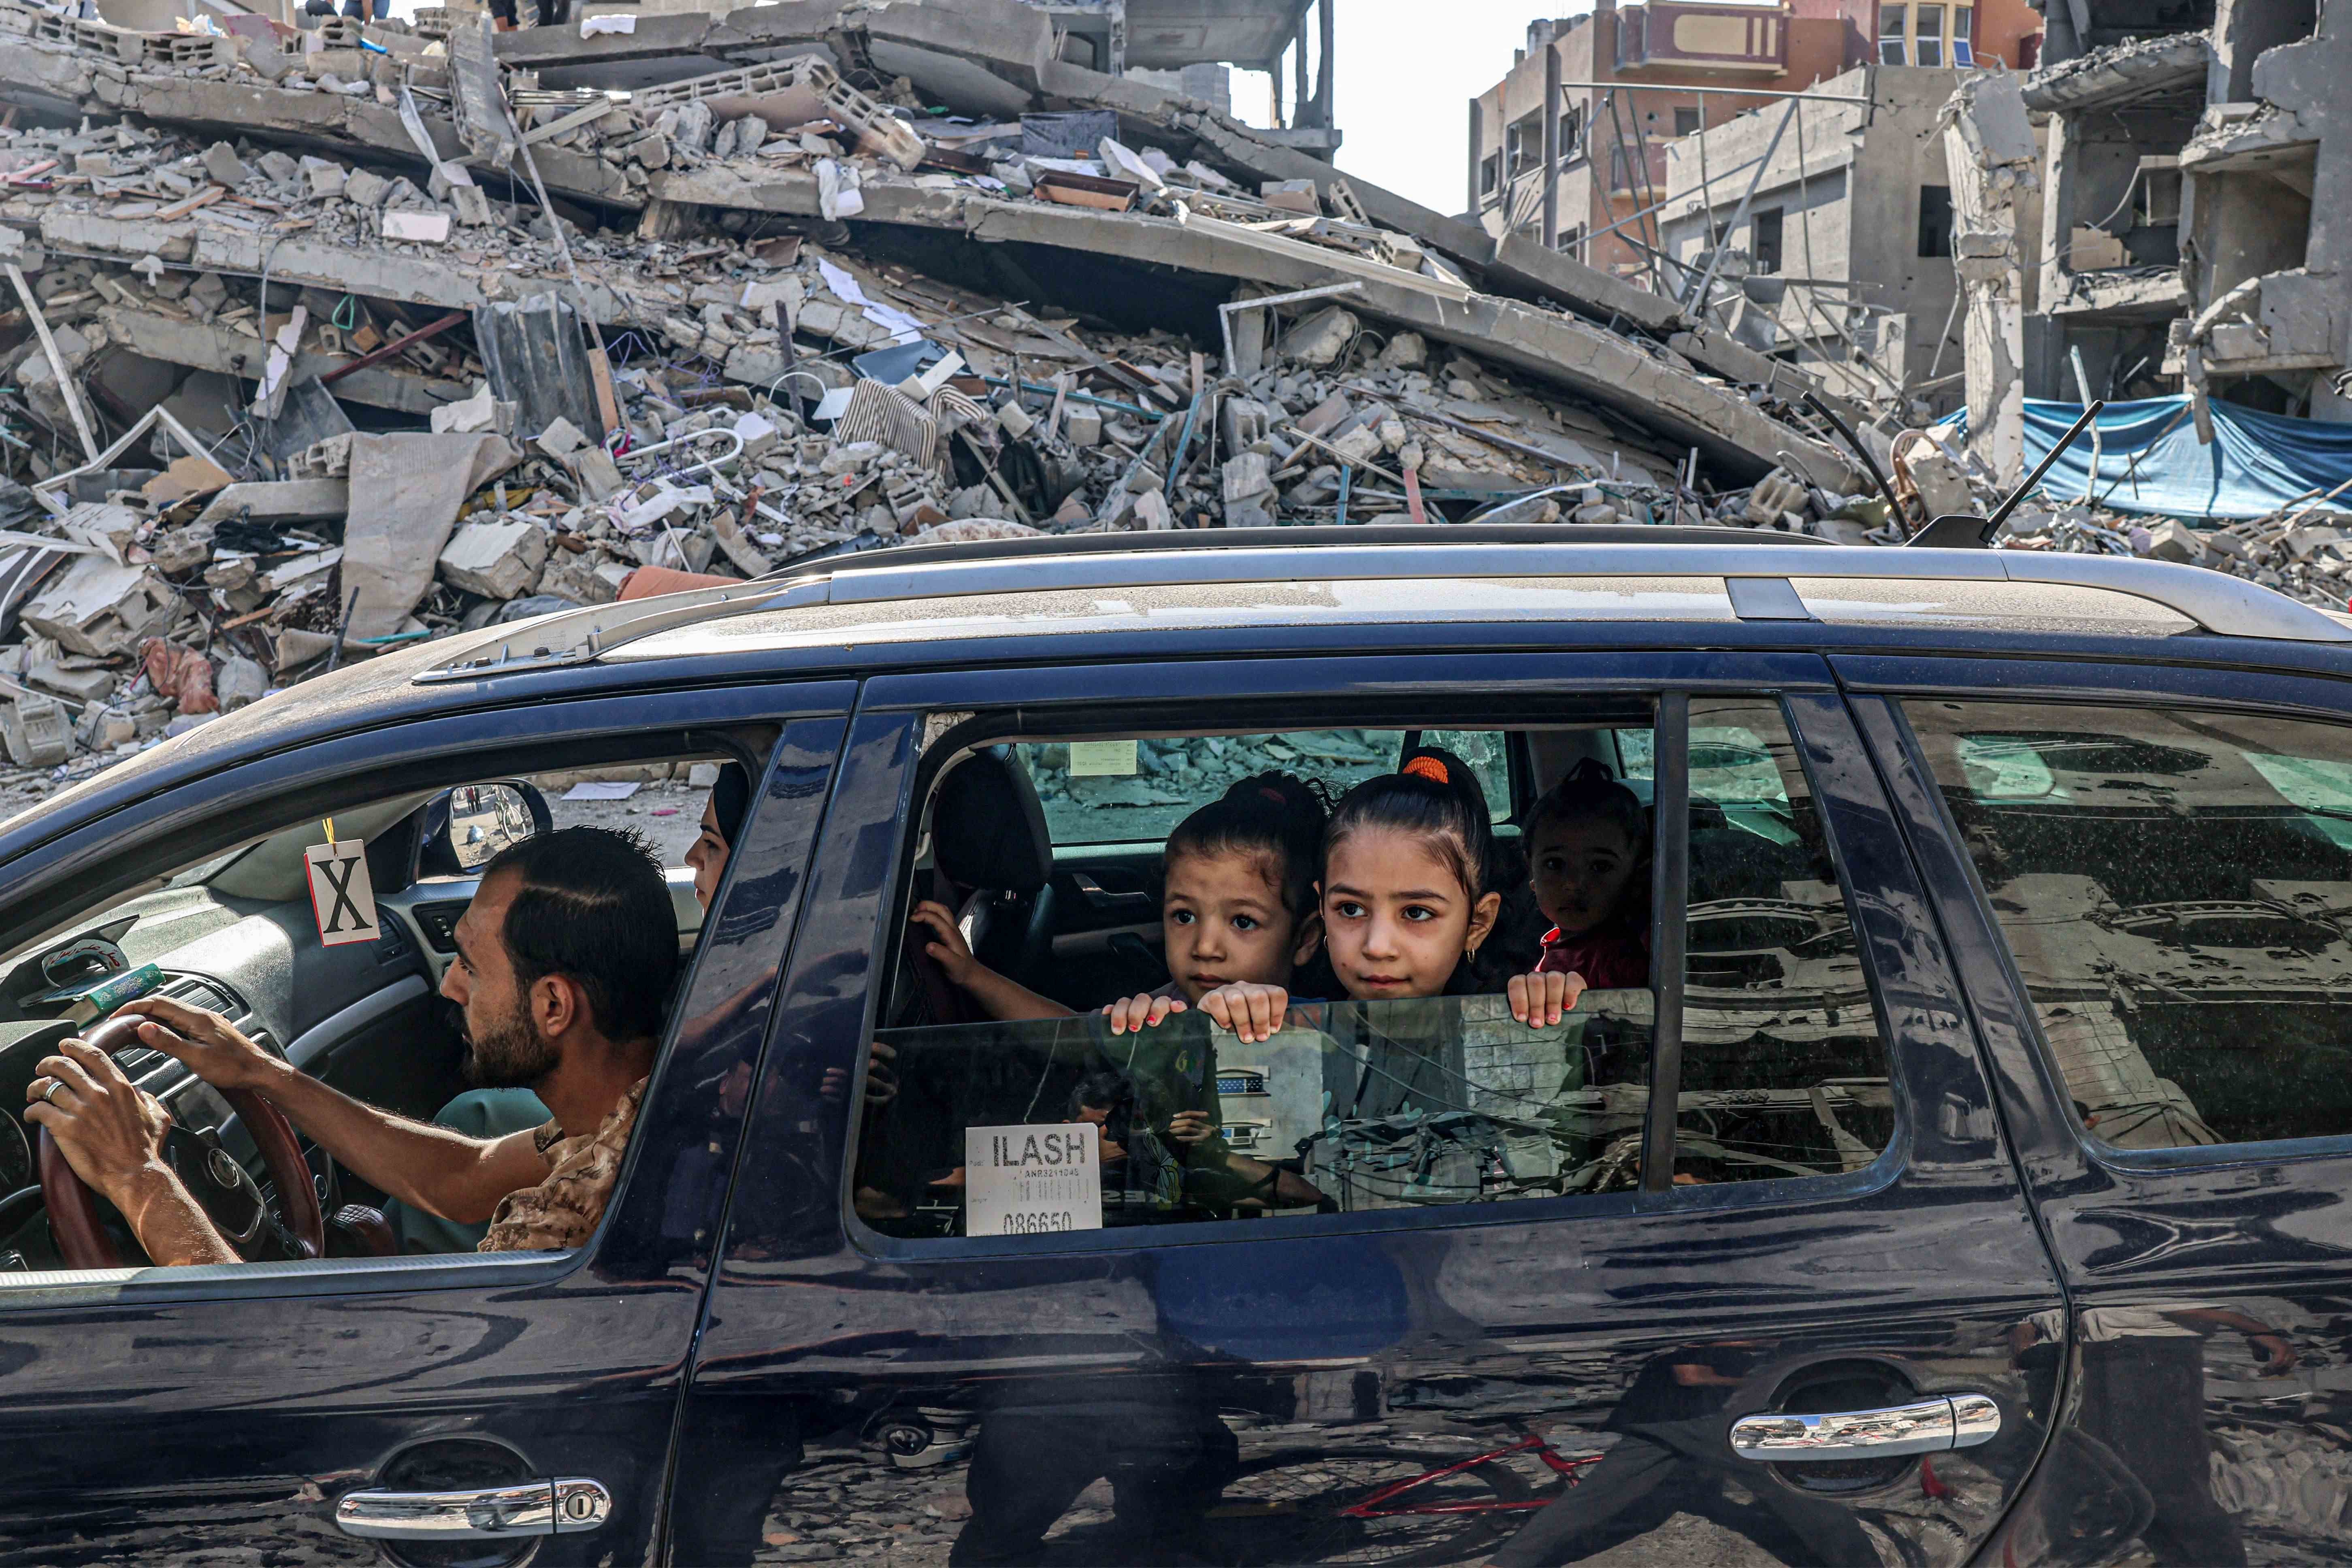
(1931, 1425)
(564, 1506)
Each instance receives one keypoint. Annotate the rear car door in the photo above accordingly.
(1525, 1322)
(2145, 874)
(169, 1415)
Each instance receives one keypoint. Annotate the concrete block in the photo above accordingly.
(424, 229)
(241, 682)
(33, 730)
(1321, 419)
(1083, 426)
(1246, 477)
(1291, 195)
(1014, 420)
(280, 168)
(496, 560)
(598, 474)
(1406, 351)
(366, 188)
(99, 608)
(1322, 338)
(223, 165)
(467, 415)
(472, 203)
(572, 575)
(1361, 445)
(103, 729)
(323, 177)
(2173, 540)
(2304, 543)
(85, 685)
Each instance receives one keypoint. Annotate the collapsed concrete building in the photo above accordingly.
(320, 342)
(2194, 233)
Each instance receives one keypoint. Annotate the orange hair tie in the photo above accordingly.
(1429, 768)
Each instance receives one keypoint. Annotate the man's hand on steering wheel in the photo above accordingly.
(109, 1130)
(209, 1045)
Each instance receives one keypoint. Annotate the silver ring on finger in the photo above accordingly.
(49, 1095)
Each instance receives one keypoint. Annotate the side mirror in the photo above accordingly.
(469, 826)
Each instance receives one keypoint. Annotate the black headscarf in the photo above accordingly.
(731, 801)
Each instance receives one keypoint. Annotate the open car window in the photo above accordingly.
(1004, 1128)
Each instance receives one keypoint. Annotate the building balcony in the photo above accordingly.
(1626, 175)
(1669, 38)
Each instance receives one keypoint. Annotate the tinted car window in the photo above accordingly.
(2175, 886)
(1784, 1071)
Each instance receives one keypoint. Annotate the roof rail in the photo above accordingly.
(2226, 606)
(1309, 536)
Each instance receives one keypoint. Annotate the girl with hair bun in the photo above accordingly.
(1239, 901)
(1408, 897)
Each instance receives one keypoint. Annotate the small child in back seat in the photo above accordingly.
(1238, 905)
(1587, 843)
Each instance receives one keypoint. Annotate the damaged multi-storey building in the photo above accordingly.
(2194, 233)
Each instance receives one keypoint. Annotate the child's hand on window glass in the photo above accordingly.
(1141, 1012)
(1540, 1001)
(1252, 1010)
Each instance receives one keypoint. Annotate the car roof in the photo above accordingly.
(1240, 576)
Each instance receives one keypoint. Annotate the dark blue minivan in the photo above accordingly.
(1956, 1172)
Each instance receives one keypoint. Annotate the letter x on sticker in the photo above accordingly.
(341, 896)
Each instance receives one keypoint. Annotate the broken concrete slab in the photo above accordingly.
(281, 501)
(405, 492)
(98, 607)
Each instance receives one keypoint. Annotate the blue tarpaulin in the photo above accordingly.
(2257, 463)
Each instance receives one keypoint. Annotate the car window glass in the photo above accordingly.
(1135, 791)
(1368, 1104)
(2174, 886)
(1365, 1105)
(1784, 1069)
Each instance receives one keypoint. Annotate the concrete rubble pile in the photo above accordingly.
(317, 343)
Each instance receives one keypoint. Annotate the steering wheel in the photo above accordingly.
(229, 1197)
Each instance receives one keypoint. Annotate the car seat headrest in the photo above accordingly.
(988, 829)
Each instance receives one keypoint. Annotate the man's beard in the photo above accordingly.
(511, 1053)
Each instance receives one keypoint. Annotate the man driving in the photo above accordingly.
(565, 962)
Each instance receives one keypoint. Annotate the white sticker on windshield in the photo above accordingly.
(1032, 1180)
(341, 896)
(1101, 759)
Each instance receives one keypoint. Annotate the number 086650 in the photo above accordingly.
(1035, 1224)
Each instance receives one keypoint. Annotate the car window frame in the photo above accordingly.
(455, 742)
(2257, 692)
(970, 710)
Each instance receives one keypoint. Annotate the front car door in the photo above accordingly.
(1531, 1311)
(2145, 874)
(164, 1414)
